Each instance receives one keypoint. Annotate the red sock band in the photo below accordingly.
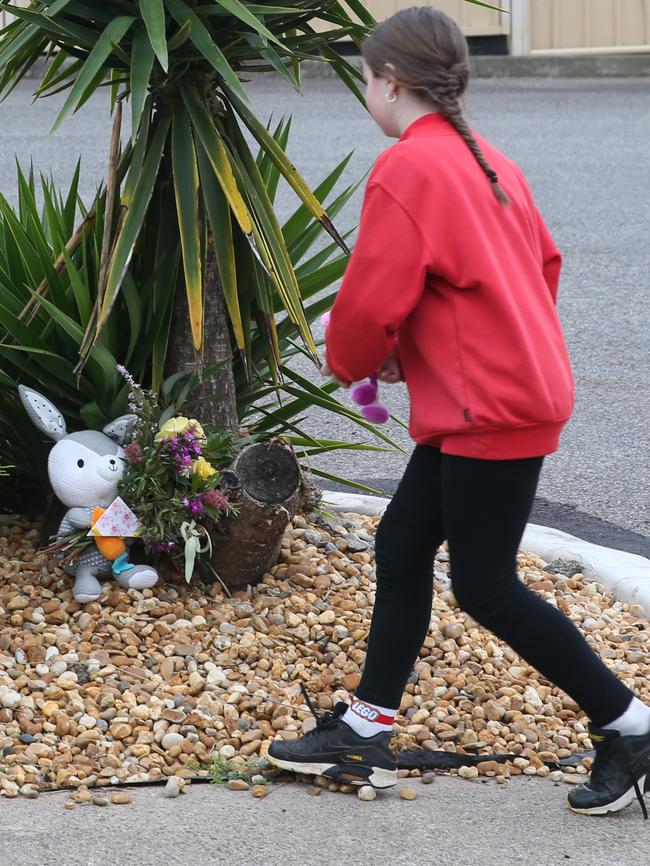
(370, 713)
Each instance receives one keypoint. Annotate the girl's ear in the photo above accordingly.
(390, 72)
(44, 414)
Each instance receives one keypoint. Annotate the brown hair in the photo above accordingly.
(425, 51)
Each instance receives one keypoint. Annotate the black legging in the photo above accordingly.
(481, 507)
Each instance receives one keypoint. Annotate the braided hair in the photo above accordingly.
(425, 51)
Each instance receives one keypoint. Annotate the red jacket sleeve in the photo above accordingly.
(551, 258)
(383, 282)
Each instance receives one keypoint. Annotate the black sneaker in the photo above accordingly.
(332, 749)
(618, 774)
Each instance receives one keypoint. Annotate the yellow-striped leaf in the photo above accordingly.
(186, 190)
(218, 156)
(289, 171)
(218, 212)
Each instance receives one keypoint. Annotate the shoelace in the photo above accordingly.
(325, 720)
(638, 793)
(633, 779)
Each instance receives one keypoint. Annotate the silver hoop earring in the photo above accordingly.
(390, 97)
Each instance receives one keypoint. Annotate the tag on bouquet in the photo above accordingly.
(118, 521)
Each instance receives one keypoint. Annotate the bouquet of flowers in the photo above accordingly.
(172, 480)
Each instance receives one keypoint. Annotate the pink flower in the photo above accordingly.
(133, 453)
(216, 499)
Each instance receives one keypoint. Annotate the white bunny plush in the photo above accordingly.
(84, 469)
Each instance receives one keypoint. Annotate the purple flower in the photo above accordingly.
(197, 507)
(161, 546)
(186, 502)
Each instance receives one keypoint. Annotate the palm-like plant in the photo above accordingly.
(180, 62)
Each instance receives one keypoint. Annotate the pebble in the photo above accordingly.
(468, 772)
(170, 740)
(238, 785)
(172, 788)
(83, 796)
(10, 699)
(98, 800)
(365, 792)
(407, 793)
(120, 798)
(260, 791)
(428, 778)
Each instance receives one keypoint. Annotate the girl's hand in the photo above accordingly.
(390, 370)
(327, 373)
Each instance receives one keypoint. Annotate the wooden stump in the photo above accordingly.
(266, 482)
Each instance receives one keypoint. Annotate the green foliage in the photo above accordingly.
(40, 337)
(222, 771)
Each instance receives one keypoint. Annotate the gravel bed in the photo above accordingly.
(143, 686)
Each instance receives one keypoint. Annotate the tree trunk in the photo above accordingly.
(268, 486)
(216, 394)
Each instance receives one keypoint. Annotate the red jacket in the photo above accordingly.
(465, 290)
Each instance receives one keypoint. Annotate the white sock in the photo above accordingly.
(369, 719)
(634, 721)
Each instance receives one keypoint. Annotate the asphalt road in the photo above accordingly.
(452, 821)
(583, 145)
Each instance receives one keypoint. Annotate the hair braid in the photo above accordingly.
(452, 111)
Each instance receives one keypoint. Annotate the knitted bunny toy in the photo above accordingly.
(84, 469)
(365, 393)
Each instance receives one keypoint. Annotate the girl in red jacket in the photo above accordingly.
(452, 286)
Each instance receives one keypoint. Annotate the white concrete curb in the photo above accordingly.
(626, 575)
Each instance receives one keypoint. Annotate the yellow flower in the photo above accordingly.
(203, 469)
(178, 426)
(198, 431)
(173, 427)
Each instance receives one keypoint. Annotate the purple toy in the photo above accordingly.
(365, 393)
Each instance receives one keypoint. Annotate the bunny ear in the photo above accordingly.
(44, 414)
(121, 429)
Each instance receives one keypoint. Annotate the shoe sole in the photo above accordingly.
(343, 773)
(614, 806)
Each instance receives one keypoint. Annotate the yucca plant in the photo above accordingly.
(180, 64)
(42, 350)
